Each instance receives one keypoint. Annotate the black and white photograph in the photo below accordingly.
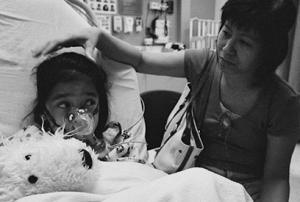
(149, 100)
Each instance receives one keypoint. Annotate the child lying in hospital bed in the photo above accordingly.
(28, 24)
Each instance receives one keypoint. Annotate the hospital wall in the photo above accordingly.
(179, 29)
(147, 15)
(183, 10)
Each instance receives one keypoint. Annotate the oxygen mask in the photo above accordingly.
(80, 122)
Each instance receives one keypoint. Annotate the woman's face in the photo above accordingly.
(66, 97)
(239, 51)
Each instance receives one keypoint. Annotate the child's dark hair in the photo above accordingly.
(270, 19)
(62, 68)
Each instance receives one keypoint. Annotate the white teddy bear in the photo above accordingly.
(34, 161)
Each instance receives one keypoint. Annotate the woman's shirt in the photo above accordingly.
(238, 142)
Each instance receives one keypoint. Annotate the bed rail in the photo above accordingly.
(203, 33)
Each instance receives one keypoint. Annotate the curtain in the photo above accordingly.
(294, 73)
(290, 68)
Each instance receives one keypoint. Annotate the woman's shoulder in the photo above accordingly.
(196, 60)
(282, 90)
(284, 109)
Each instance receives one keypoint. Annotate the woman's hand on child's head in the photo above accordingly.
(87, 38)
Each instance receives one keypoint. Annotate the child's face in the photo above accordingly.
(69, 96)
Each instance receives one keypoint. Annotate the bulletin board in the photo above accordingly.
(129, 19)
(100, 7)
(131, 7)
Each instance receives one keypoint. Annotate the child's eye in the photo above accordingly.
(63, 105)
(90, 103)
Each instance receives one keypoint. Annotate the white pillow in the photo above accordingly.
(25, 25)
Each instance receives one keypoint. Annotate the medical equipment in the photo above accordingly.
(118, 143)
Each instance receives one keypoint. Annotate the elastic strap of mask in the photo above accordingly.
(50, 118)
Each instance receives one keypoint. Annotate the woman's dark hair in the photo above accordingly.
(270, 19)
(63, 68)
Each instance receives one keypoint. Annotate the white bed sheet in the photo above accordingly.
(191, 185)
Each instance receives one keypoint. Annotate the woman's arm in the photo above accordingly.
(276, 171)
(168, 64)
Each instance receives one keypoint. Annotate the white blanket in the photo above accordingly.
(196, 184)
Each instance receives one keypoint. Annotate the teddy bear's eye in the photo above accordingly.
(32, 179)
(87, 160)
(27, 157)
